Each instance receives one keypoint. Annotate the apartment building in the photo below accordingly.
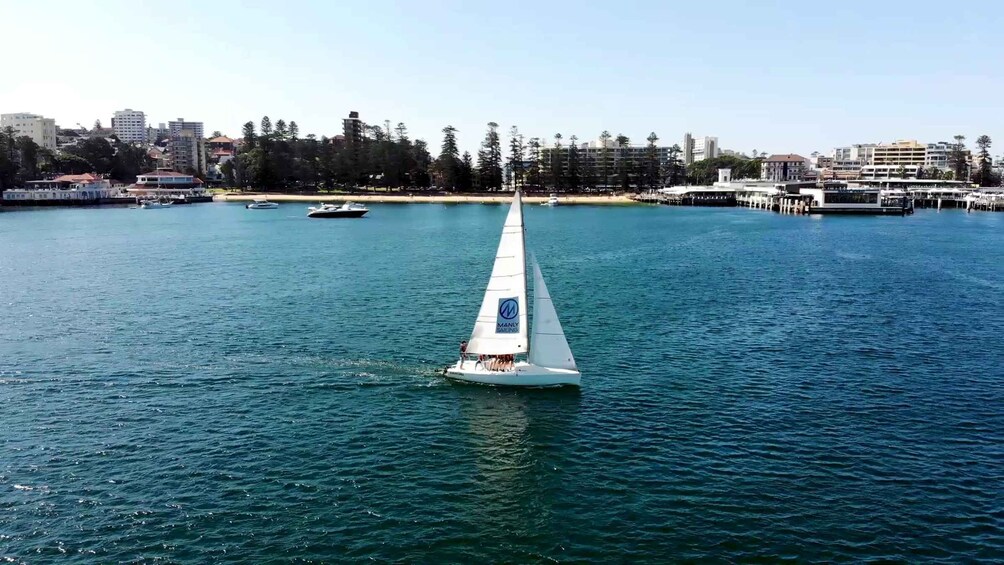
(129, 125)
(906, 152)
(696, 149)
(173, 127)
(41, 130)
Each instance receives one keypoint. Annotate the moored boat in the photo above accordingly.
(261, 204)
(347, 210)
(149, 204)
(502, 349)
(552, 201)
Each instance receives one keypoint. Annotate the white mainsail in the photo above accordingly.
(500, 328)
(548, 346)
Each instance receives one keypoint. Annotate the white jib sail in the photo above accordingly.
(548, 346)
(501, 326)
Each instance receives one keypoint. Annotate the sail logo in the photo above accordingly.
(507, 321)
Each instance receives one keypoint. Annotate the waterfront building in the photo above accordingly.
(696, 149)
(904, 152)
(129, 125)
(591, 155)
(167, 183)
(221, 149)
(40, 129)
(939, 156)
(67, 189)
(882, 172)
(784, 167)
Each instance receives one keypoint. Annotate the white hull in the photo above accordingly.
(523, 374)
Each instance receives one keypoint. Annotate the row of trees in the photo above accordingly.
(277, 157)
(22, 160)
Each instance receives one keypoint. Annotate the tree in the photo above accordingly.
(280, 129)
(294, 131)
(249, 136)
(651, 170)
(556, 164)
(516, 151)
(490, 159)
(604, 159)
(465, 180)
(673, 174)
(957, 158)
(573, 177)
(448, 163)
(625, 166)
(984, 175)
(216, 133)
(266, 126)
(533, 170)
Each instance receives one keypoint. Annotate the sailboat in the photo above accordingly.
(503, 350)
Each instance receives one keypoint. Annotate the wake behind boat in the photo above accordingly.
(501, 350)
(347, 210)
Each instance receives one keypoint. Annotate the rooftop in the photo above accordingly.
(785, 157)
(221, 139)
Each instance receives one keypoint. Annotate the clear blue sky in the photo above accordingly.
(775, 76)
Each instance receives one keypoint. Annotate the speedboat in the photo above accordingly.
(261, 204)
(347, 210)
(154, 204)
(552, 201)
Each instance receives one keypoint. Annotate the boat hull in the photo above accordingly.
(523, 375)
(338, 214)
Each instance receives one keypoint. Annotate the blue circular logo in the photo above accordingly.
(509, 309)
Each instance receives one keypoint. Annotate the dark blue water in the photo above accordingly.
(208, 383)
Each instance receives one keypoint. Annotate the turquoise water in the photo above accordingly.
(208, 383)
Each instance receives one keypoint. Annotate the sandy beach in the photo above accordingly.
(399, 198)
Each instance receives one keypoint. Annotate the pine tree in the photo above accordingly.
(294, 131)
(516, 152)
(448, 163)
(958, 158)
(533, 170)
(625, 166)
(466, 173)
(652, 176)
(249, 136)
(574, 179)
(557, 164)
(266, 126)
(490, 160)
(280, 129)
(604, 160)
(984, 175)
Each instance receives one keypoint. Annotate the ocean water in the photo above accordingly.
(212, 384)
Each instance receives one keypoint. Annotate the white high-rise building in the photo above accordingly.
(175, 127)
(696, 149)
(130, 125)
(41, 130)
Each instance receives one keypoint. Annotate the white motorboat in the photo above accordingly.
(148, 204)
(261, 204)
(347, 210)
(503, 350)
(552, 201)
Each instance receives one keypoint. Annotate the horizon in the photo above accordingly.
(573, 69)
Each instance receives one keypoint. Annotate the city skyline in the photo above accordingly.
(729, 71)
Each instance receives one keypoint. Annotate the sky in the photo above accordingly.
(775, 76)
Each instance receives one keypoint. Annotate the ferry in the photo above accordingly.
(856, 201)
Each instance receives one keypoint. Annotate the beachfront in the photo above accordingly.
(400, 198)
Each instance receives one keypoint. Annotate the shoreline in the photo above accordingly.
(391, 198)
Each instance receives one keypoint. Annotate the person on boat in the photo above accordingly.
(463, 349)
(480, 361)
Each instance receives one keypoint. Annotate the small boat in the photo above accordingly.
(147, 204)
(502, 349)
(347, 210)
(552, 201)
(261, 204)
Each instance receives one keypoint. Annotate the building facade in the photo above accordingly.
(41, 130)
(187, 152)
(905, 153)
(129, 125)
(885, 172)
(696, 149)
(173, 127)
(353, 128)
(784, 167)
